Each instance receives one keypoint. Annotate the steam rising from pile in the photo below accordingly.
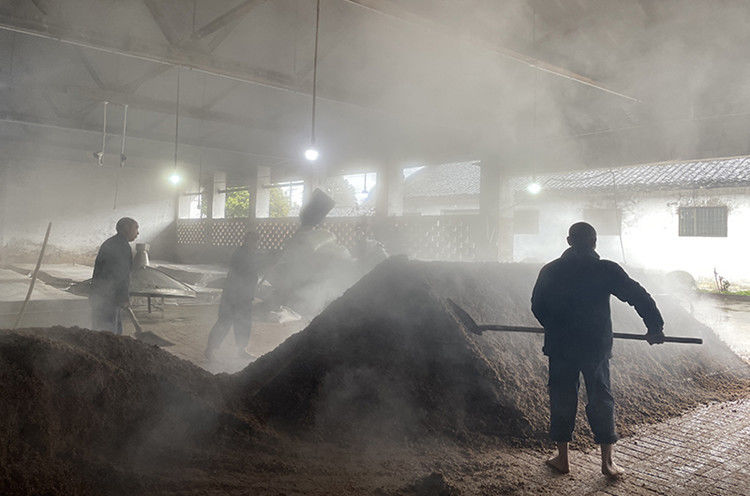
(387, 360)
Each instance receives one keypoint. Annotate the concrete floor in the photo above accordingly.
(705, 452)
(188, 326)
(730, 319)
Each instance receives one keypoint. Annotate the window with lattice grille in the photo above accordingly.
(703, 221)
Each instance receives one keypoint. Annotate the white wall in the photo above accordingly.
(78, 199)
(649, 233)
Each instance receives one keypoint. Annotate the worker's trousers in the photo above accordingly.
(105, 317)
(234, 316)
(564, 381)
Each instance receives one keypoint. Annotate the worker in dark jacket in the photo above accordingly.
(237, 299)
(571, 301)
(110, 284)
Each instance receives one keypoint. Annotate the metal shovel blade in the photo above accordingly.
(464, 317)
(147, 337)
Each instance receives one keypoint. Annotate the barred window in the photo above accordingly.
(703, 221)
(526, 222)
(606, 221)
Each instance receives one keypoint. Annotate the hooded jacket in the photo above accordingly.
(571, 301)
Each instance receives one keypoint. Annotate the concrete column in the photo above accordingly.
(389, 191)
(395, 191)
(494, 236)
(382, 188)
(251, 181)
(183, 206)
(219, 200)
(505, 221)
(311, 182)
(262, 195)
(3, 199)
(184, 201)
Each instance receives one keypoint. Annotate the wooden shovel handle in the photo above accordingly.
(618, 335)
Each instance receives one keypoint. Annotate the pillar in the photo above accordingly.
(395, 190)
(250, 180)
(494, 236)
(389, 191)
(381, 192)
(3, 199)
(219, 196)
(262, 193)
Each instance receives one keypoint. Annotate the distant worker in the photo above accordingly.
(571, 301)
(235, 308)
(368, 251)
(110, 285)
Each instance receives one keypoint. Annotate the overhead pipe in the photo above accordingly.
(100, 154)
(123, 158)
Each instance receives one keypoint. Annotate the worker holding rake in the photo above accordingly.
(571, 301)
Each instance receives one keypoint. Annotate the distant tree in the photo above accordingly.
(279, 204)
(342, 192)
(237, 204)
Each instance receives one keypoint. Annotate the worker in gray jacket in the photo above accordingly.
(235, 309)
(571, 301)
(110, 284)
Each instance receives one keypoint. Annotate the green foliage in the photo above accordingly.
(237, 204)
(279, 204)
(342, 192)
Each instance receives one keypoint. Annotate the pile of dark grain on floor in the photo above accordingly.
(91, 413)
(80, 409)
(389, 358)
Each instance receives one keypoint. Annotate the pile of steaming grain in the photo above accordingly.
(80, 410)
(83, 412)
(389, 358)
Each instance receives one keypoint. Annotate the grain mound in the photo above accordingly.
(81, 410)
(388, 358)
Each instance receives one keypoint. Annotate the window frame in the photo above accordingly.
(696, 222)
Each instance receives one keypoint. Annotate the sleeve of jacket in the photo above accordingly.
(123, 262)
(632, 293)
(539, 297)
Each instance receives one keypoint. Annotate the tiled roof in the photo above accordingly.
(459, 178)
(722, 173)
(463, 178)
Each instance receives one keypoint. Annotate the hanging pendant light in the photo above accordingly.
(312, 152)
(175, 178)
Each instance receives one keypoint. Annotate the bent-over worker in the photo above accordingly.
(571, 301)
(235, 308)
(110, 285)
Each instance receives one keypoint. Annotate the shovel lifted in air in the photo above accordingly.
(478, 329)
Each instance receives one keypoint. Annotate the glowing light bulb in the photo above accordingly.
(174, 178)
(534, 188)
(312, 154)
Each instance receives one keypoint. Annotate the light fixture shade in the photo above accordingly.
(534, 188)
(174, 178)
(312, 154)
